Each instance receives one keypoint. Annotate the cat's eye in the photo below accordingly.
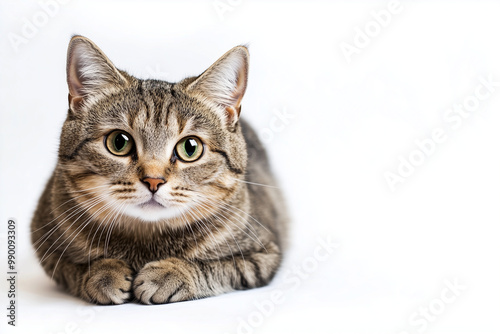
(119, 143)
(189, 149)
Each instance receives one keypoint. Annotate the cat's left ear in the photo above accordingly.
(225, 82)
(89, 72)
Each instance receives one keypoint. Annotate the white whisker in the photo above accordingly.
(255, 184)
(241, 220)
(232, 235)
(79, 229)
(62, 234)
(59, 224)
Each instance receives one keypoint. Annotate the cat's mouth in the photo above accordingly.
(152, 204)
(152, 210)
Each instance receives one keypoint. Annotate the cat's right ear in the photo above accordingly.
(225, 82)
(89, 72)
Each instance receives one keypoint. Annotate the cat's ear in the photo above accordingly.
(89, 72)
(225, 82)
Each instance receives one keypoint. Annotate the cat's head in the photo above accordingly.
(149, 149)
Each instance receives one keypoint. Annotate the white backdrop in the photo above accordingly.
(346, 95)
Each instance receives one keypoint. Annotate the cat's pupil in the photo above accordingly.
(120, 142)
(190, 147)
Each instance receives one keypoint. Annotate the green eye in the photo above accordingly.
(119, 143)
(189, 149)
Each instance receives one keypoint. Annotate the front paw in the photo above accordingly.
(165, 281)
(109, 282)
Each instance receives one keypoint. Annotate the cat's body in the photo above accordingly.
(161, 191)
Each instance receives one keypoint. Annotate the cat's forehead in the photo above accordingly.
(164, 108)
(156, 113)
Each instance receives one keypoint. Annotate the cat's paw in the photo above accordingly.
(165, 281)
(109, 282)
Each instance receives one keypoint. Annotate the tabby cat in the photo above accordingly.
(161, 192)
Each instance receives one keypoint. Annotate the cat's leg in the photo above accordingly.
(175, 279)
(106, 281)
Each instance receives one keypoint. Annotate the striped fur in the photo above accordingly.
(215, 230)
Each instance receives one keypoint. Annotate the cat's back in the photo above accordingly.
(267, 202)
(258, 162)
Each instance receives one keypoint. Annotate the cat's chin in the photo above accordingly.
(152, 211)
(152, 205)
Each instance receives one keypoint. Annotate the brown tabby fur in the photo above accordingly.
(231, 235)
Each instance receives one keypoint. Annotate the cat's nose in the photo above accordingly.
(153, 183)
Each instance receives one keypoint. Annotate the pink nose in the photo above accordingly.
(153, 183)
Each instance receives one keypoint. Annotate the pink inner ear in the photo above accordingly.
(232, 113)
(75, 96)
(239, 89)
(75, 88)
(74, 82)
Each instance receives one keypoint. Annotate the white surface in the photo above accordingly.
(352, 121)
